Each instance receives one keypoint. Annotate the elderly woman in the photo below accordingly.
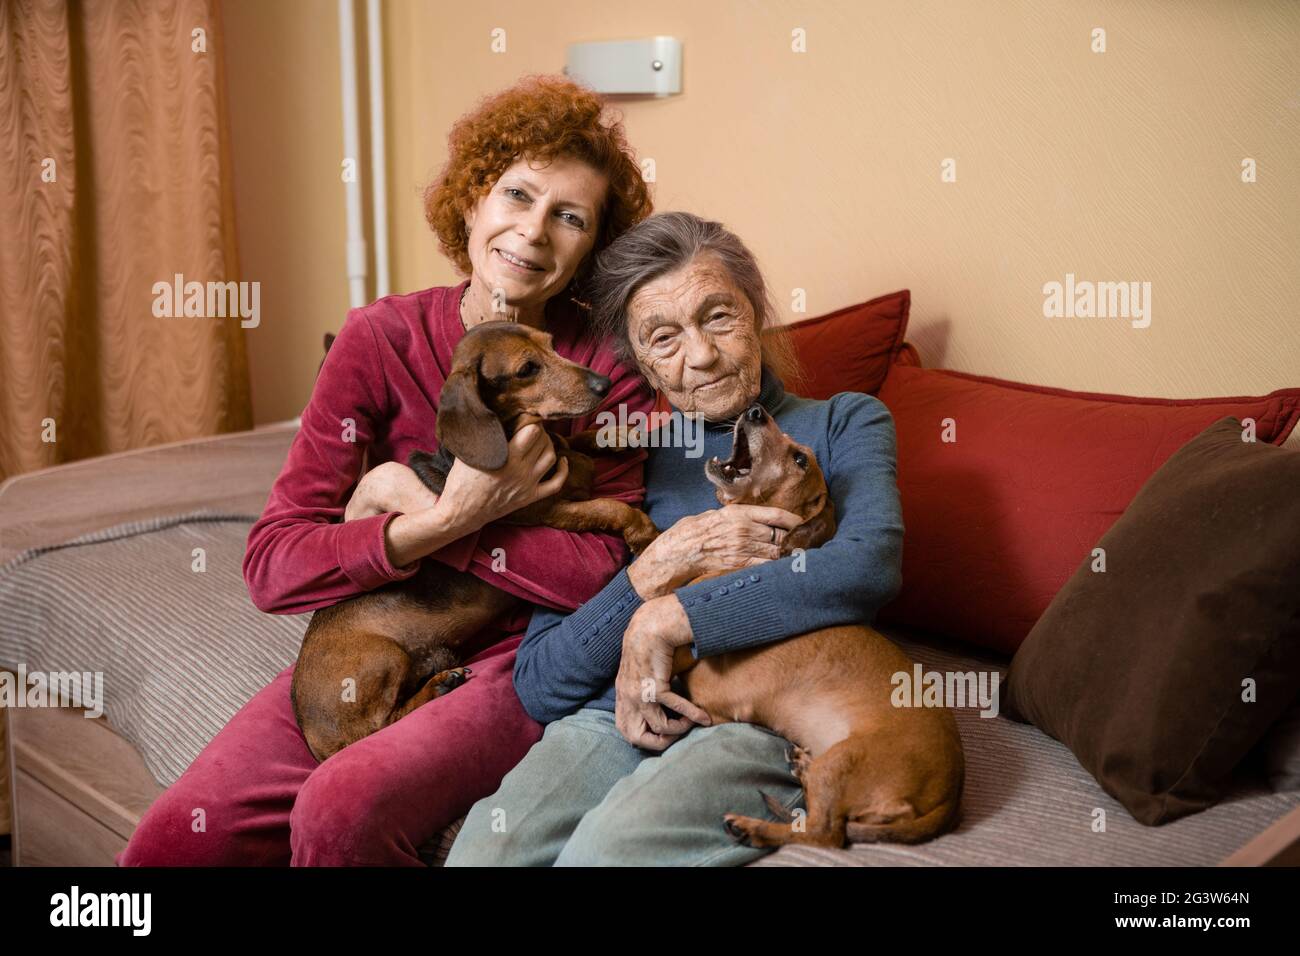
(536, 184)
(616, 778)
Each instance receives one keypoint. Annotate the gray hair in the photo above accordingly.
(664, 243)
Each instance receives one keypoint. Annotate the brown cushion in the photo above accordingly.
(1139, 670)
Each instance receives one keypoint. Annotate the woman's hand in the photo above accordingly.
(725, 539)
(391, 486)
(472, 498)
(642, 688)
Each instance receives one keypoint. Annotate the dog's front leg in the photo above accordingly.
(599, 514)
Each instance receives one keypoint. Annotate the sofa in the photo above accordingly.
(96, 574)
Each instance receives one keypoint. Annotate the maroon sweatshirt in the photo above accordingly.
(382, 379)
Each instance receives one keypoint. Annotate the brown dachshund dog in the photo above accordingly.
(370, 660)
(870, 771)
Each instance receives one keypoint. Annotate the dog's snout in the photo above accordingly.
(597, 383)
(756, 413)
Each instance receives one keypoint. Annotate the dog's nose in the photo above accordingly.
(597, 383)
(756, 413)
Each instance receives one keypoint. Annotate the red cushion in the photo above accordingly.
(908, 355)
(848, 350)
(997, 521)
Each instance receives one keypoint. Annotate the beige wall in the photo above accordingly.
(286, 130)
(1117, 166)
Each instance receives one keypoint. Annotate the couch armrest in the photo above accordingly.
(231, 472)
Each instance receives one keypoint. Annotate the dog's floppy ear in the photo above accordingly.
(816, 531)
(466, 427)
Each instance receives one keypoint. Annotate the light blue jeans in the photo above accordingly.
(584, 796)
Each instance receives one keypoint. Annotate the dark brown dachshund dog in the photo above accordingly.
(870, 771)
(374, 658)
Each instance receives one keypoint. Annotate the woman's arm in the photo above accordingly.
(565, 660)
(300, 558)
(299, 555)
(445, 523)
(846, 580)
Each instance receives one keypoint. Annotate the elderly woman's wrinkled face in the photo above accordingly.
(531, 232)
(694, 335)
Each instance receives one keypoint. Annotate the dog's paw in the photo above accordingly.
(640, 533)
(449, 680)
(736, 831)
(748, 831)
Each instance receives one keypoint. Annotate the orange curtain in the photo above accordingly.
(114, 178)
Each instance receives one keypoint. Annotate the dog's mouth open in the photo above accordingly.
(736, 469)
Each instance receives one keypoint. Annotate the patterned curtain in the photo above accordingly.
(115, 181)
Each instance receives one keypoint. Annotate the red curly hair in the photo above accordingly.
(540, 117)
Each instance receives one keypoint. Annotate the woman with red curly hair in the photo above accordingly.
(537, 183)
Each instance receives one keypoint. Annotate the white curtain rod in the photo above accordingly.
(378, 172)
(357, 265)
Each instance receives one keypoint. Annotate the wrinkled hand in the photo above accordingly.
(391, 486)
(642, 688)
(724, 539)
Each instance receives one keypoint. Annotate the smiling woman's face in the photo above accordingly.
(530, 233)
(694, 335)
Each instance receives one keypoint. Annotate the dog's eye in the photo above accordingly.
(529, 368)
(801, 459)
